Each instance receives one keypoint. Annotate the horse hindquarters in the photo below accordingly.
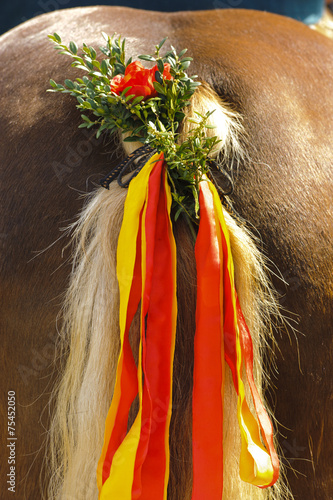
(269, 69)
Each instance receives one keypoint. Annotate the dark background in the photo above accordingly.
(14, 12)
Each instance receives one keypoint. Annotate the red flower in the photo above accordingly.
(140, 79)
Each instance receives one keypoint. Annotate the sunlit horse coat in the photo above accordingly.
(278, 75)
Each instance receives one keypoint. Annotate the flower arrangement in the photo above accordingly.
(147, 105)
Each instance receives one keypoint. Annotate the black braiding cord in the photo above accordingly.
(224, 193)
(144, 153)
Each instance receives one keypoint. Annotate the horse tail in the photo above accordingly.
(89, 340)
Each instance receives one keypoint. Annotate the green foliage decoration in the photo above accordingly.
(153, 120)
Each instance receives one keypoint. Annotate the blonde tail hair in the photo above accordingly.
(90, 339)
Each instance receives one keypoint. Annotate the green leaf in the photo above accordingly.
(73, 47)
(174, 89)
(96, 73)
(162, 127)
(137, 100)
(153, 106)
(125, 90)
(98, 133)
(172, 62)
(119, 68)
(179, 116)
(57, 37)
(138, 129)
(160, 66)
(80, 66)
(147, 58)
(69, 84)
(91, 93)
(132, 138)
(179, 211)
(159, 88)
(185, 64)
(92, 103)
(160, 45)
(170, 54)
(104, 66)
(196, 202)
(158, 77)
(105, 51)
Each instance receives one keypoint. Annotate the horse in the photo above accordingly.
(275, 74)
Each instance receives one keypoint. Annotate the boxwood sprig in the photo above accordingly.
(154, 120)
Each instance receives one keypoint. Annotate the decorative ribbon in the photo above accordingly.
(135, 462)
(258, 465)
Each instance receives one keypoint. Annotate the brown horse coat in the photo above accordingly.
(279, 75)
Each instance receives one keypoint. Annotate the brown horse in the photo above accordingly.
(278, 75)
